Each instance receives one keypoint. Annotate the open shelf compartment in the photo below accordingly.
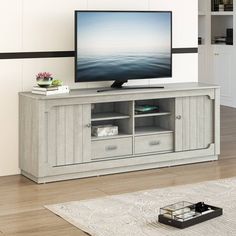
(112, 114)
(111, 111)
(124, 128)
(219, 26)
(159, 121)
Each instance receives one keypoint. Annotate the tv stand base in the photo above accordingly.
(118, 85)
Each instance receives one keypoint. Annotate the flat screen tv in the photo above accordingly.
(122, 45)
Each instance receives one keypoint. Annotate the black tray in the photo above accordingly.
(192, 221)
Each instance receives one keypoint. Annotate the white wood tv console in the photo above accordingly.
(55, 131)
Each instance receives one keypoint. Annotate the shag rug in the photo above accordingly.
(136, 214)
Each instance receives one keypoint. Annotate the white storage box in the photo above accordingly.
(104, 130)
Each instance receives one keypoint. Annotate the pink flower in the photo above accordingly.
(44, 75)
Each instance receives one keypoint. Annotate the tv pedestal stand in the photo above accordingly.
(56, 142)
(118, 85)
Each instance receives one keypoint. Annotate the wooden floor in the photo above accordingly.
(22, 201)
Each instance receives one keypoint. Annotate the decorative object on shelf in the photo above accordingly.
(221, 7)
(199, 40)
(57, 82)
(219, 40)
(142, 109)
(104, 130)
(228, 7)
(215, 5)
(51, 90)
(185, 214)
(49, 86)
(44, 79)
(229, 36)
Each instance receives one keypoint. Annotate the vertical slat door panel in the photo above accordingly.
(192, 128)
(194, 123)
(186, 121)
(200, 122)
(52, 137)
(86, 133)
(61, 135)
(65, 135)
(77, 135)
(69, 135)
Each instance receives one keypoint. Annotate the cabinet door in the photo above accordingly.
(69, 135)
(223, 74)
(194, 123)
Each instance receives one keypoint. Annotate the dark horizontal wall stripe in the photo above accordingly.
(25, 55)
(184, 50)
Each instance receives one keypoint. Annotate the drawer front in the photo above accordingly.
(154, 143)
(111, 148)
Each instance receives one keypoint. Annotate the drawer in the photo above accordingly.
(111, 148)
(154, 143)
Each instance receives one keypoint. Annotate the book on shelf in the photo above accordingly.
(51, 90)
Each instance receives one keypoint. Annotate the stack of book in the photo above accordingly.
(52, 90)
(218, 5)
(220, 40)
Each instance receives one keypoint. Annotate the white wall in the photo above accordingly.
(48, 25)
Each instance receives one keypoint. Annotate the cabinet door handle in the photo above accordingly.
(216, 54)
(154, 143)
(178, 117)
(88, 125)
(111, 148)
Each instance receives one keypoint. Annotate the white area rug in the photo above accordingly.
(136, 214)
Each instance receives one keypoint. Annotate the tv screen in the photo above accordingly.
(115, 45)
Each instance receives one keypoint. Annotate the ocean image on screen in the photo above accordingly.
(123, 45)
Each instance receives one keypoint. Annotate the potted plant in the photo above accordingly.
(44, 79)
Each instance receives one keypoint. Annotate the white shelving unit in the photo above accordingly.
(216, 59)
(203, 32)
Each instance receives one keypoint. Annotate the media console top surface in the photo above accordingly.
(92, 92)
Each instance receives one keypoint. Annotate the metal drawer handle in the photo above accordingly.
(154, 143)
(111, 148)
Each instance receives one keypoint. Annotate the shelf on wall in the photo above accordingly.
(222, 13)
(108, 116)
(221, 45)
(147, 130)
